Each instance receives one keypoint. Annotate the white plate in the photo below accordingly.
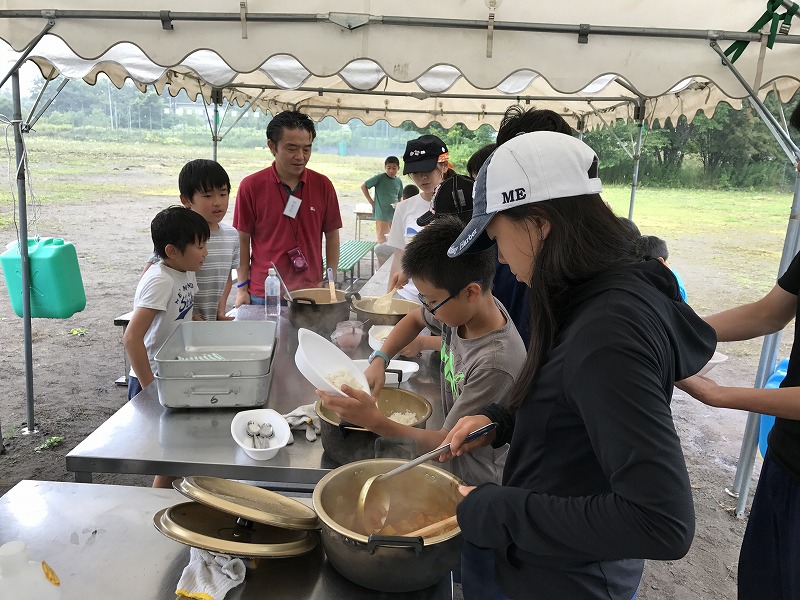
(406, 367)
(317, 358)
(718, 358)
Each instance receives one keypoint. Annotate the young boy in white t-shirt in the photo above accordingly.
(165, 293)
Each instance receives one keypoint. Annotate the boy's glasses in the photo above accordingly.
(433, 310)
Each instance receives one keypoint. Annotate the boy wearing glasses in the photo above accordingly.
(481, 351)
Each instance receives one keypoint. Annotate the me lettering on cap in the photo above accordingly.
(514, 195)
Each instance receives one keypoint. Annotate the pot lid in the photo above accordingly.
(202, 526)
(247, 501)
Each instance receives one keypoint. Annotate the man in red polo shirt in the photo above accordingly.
(282, 211)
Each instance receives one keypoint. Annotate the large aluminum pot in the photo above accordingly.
(311, 308)
(398, 309)
(345, 443)
(388, 563)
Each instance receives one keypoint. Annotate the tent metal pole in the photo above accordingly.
(769, 355)
(354, 21)
(28, 49)
(23, 250)
(765, 114)
(637, 154)
(769, 350)
(215, 131)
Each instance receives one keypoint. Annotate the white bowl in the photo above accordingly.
(261, 415)
(406, 367)
(317, 358)
(378, 330)
(718, 357)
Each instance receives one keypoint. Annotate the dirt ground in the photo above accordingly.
(75, 392)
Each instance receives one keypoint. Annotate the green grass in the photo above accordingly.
(685, 212)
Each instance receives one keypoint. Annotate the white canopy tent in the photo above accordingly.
(665, 59)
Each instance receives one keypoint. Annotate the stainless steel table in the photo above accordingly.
(101, 542)
(145, 438)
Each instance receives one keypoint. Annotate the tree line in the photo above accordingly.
(732, 149)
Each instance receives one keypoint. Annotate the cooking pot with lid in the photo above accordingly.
(311, 308)
(383, 562)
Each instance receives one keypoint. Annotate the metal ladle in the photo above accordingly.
(373, 500)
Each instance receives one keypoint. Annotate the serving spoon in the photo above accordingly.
(384, 303)
(374, 500)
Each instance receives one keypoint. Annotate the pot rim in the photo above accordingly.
(328, 521)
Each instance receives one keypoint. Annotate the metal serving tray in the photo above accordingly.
(212, 391)
(228, 349)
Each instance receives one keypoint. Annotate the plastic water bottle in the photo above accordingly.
(272, 294)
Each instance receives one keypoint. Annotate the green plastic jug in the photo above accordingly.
(56, 284)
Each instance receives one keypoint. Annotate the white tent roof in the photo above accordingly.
(422, 61)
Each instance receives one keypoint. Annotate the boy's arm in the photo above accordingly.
(243, 272)
(359, 408)
(768, 315)
(365, 191)
(133, 340)
(223, 301)
(406, 330)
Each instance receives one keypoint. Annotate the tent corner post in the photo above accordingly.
(23, 248)
(638, 115)
(766, 364)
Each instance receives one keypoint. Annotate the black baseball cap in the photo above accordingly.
(452, 197)
(423, 153)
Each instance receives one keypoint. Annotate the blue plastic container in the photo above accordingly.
(767, 421)
(56, 283)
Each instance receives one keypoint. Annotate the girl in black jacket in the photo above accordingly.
(595, 479)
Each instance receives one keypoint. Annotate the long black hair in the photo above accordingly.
(585, 239)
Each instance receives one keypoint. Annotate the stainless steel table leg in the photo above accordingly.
(83, 477)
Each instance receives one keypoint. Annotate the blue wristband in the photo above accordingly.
(244, 283)
(377, 353)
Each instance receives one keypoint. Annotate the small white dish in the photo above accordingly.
(406, 368)
(378, 335)
(279, 439)
(317, 359)
(718, 358)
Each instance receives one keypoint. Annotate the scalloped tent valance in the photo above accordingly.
(424, 61)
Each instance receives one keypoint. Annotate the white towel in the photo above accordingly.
(304, 418)
(209, 576)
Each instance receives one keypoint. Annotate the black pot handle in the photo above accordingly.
(375, 541)
(397, 372)
(350, 295)
(304, 300)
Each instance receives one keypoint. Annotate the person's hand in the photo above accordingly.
(358, 407)
(397, 281)
(460, 431)
(376, 376)
(419, 344)
(466, 489)
(242, 297)
(224, 317)
(702, 388)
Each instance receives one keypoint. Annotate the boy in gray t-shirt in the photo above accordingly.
(205, 188)
(481, 352)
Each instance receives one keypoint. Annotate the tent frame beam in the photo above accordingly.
(360, 18)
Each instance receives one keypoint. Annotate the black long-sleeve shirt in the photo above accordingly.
(595, 479)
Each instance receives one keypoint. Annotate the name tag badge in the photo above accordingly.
(292, 206)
